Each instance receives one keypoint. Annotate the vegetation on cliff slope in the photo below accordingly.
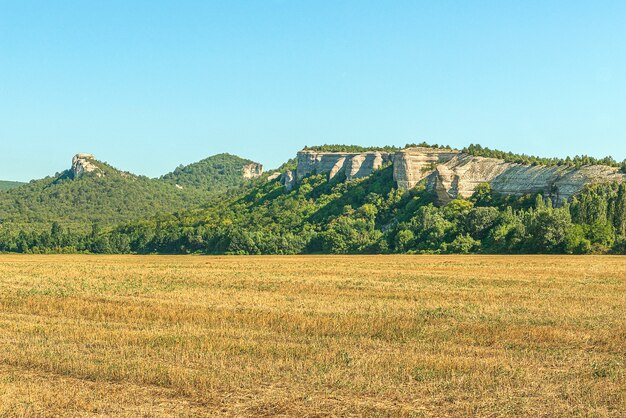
(370, 216)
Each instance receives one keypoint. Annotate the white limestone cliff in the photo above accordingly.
(252, 171)
(84, 163)
(450, 173)
(353, 164)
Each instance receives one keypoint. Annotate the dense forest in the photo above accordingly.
(367, 215)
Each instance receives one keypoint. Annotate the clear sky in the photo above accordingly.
(148, 85)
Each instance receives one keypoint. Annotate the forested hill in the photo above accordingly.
(93, 192)
(217, 173)
(7, 185)
(370, 215)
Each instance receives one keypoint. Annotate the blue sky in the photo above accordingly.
(148, 85)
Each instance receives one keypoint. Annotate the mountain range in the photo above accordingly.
(329, 199)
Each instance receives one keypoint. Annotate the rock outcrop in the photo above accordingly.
(252, 171)
(84, 163)
(288, 179)
(353, 164)
(274, 176)
(450, 173)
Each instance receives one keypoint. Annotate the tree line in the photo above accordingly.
(361, 216)
(576, 161)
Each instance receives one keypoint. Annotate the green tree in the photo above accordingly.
(462, 244)
(576, 241)
(404, 240)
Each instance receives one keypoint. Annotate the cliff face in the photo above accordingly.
(558, 182)
(412, 165)
(252, 171)
(451, 174)
(458, 174)
(353, 165)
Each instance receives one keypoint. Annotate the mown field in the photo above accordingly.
(312, 336)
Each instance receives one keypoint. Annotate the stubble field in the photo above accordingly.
(312, 336)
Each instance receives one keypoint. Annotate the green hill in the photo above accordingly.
(77, 199)
(217, 173)
(7, 185)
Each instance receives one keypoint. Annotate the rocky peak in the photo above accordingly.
(85, 163)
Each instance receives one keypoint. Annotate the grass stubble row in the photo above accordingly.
(312, 336)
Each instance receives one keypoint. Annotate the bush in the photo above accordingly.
(463, 244)
(576, 241)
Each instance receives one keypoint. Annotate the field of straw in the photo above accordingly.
(312, 336)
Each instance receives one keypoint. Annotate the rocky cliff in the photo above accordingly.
(252, 171)
(353, 165)
(84, 163)
(460, 175)
(412, 165)
(450, 173)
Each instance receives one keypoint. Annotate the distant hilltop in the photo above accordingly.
(452, 173)
(83, 163)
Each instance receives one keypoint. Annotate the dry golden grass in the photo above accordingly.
(312, 336)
